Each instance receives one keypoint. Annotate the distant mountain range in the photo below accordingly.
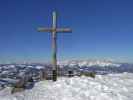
(98, 66)
(89, 63)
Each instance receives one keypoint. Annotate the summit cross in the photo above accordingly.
(54, 30)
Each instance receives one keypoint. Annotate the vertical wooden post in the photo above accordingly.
(54, 47)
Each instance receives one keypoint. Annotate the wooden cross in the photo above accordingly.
(54, 30)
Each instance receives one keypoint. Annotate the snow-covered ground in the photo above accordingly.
(103, 87)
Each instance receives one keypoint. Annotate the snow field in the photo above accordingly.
(103, 87)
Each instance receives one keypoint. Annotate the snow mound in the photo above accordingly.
(103, 87)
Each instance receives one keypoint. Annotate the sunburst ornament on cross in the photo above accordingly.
(54, 29)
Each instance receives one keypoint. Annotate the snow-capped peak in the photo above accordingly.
(88, 63)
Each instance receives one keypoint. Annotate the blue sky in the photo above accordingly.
(102, 29)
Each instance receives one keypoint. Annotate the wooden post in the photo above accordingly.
(54, 46)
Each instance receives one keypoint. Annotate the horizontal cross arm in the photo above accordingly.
(60, 30)
(63, 30)
(41, 29)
